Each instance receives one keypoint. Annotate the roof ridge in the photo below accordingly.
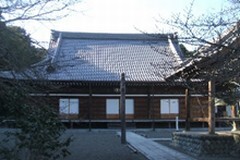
(108, 36)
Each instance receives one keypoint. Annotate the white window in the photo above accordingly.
(68, 106)
(164, 106)
(169, 106)
(174, 106)
(113, 106)
(129, 106)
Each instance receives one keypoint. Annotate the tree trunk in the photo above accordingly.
(235, 124)
(211, 107)
(187, 106)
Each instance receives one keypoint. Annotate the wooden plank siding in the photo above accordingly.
(147, 102)
(142, 110)
(98, 108)
(199, 107)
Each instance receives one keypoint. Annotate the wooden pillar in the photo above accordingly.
(211, 107)
(122, 109)
(90, 109)
(188, 109)
(152, 108)
(149, 103)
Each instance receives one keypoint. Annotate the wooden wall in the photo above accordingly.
(144, 108)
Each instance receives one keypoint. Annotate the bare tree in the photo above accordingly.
(217, 57)
(20, 10)
(207, 28)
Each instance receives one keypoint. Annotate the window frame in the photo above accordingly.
(114, 106)
(71, 106)
(169, 106)
(129, 103)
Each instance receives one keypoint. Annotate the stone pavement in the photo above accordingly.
(153, 150)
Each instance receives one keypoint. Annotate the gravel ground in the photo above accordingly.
(99, 145)
(106, 145)
(95, 145)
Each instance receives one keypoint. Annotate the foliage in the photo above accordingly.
(39, 131)
(229, 92)
(16, 49)
(39, 134)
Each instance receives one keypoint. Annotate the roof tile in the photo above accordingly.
(104, 59)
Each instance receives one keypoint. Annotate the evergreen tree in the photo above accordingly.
(16, 49)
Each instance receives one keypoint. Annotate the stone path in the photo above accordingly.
(153, 150)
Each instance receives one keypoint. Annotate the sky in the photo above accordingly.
(118, 16)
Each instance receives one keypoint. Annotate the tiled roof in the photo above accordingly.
(103, 57)
(220, 52)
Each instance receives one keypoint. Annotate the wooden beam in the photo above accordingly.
(211, 107)
(122, 108)
(198, 119)
(188, 109)
(225, 119)
(118, 120)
